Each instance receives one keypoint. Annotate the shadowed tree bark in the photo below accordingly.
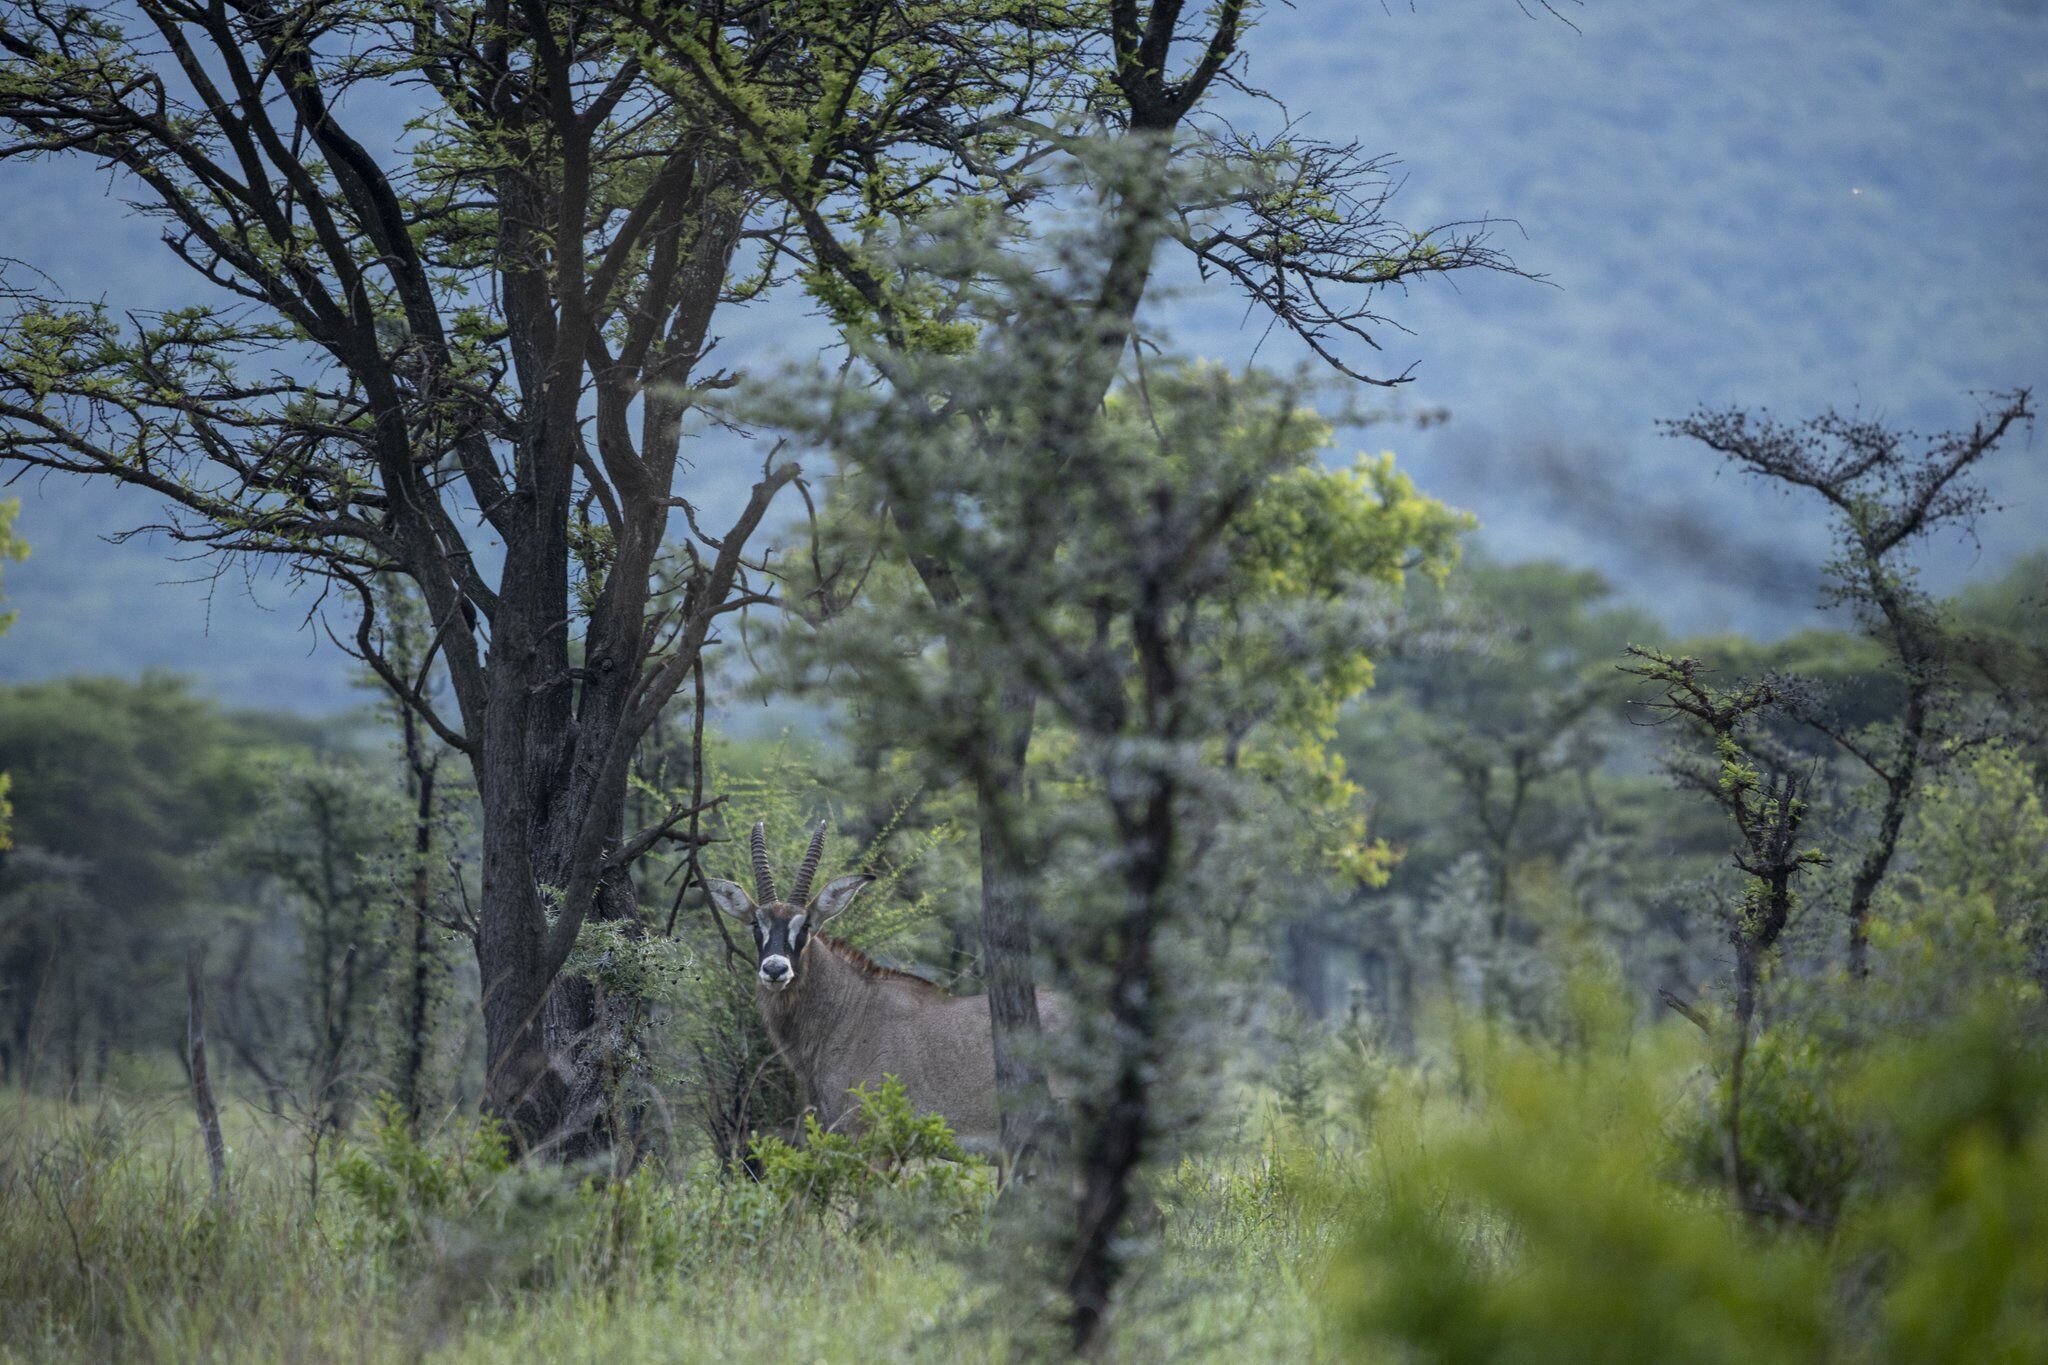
(202, 1085)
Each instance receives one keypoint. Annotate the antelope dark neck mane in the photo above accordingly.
(854, 957)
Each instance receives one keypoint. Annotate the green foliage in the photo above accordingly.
(1981, 829)
(12, 547)
(1317, 533)
(135, 777)
(1299, 538)
(329, 849)
(2001, 631)
(1802, 1149)
(1893, 1143)
(399, 1182)
(109, 1251)
(1523, 818)
(1311, 533)
(1541, 1222)
(890, 1151)
(1317, 530)
(1764, 797)
(1964, 1229)
(1541, 1228)
(123, 792)
(456, 1204)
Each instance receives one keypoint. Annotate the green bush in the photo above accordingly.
(458, 1201)
(1539, 1225)
(1801, 1150)
(891, 1152)
(396, 1182)
(1963, 1228)
(1546, 1221)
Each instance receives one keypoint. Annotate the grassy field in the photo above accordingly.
(1514, 1200)
(110, 1248)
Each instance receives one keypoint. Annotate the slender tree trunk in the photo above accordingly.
(413, 1069)
(419, 983)
(74, 1037)
(1009, 911)
(1731, 1134)
(202, 1088)
(1754, 940)
(1877, 859)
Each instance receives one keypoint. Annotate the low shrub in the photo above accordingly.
(397, 1182)
(890, 1153)
(1546, 1221)
(1801, 1149)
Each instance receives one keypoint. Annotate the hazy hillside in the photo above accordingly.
(1731, 201)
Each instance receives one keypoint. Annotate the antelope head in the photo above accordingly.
(782, 928)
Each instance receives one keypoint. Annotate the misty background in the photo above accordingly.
(1730, 201)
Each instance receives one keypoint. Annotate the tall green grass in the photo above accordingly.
(1510, 1200)
(111, 1249)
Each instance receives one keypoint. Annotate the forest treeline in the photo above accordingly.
(1649, 999)
(1547, 884)
(1500, 754)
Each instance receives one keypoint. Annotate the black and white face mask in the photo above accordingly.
(779, 939)
(781, 928)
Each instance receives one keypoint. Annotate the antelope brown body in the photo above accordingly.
(840, 1020)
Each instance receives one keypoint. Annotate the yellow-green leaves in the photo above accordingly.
(915, 311)
(12, 547)
(1318, 531)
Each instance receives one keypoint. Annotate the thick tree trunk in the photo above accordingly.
(524, 780)
(586, 1029)
(521, 1087)
(552, 1040)
(1117, 1137)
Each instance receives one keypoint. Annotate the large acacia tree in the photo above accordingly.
(456, 267)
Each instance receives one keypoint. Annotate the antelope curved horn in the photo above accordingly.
(764, 880)
(801, 891)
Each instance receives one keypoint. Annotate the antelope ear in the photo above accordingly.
(838, 894)
(730, 897)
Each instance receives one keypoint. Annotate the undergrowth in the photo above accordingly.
(851, 1247)
(1501, 1199)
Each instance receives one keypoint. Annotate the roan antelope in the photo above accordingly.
(840, 1019)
